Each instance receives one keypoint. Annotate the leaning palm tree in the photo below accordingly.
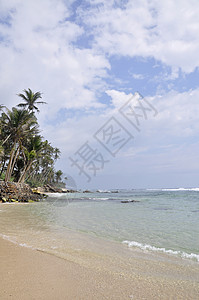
(20, 124)
(30, 99)
(31, 152)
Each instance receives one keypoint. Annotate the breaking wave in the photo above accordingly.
(175, 190)
(146, 247)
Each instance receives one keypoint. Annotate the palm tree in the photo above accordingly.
(57, 153)
(19, 124)
(1, 152)
(47, 161)
(31, 152)
(30, 99)
(58, 175)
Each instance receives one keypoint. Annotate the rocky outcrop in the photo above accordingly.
(17, 192)
(48, 188)
(52, 189)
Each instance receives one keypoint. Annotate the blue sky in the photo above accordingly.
(88, 58)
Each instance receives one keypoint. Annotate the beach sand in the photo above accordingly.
(31, 274)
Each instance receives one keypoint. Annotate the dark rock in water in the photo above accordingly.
(68, 191)
(87, 191)
(17, 192)
(129, 201)
(52, 189)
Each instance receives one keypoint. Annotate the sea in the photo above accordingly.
(164, 221)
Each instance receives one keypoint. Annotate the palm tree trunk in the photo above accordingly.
(23, 175)
(2, 166)
(14, 161)
(7, 176)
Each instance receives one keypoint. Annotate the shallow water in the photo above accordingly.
(164, 221)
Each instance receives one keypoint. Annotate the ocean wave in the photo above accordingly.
(56, 195)
(13, 241)
(103, 191)
(6, 237)
(26, 246)
(145, 247)
(99, 199)
(175, 190)
(181, 189)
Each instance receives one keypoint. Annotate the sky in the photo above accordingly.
(121, 79)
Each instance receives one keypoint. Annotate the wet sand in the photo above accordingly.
(32, 274)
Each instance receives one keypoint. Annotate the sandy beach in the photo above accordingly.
(31, 274)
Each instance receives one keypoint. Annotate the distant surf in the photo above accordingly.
(175, 189)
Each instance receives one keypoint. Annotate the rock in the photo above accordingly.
(13, 200)
(68, 191)
(129, 201)
(51, 189)
(17, 192)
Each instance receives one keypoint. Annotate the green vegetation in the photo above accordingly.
(24, 154)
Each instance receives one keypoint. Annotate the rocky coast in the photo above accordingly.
(21, 192)
(17, 192)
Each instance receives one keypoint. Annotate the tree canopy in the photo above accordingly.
(30, 100)
(25, 156)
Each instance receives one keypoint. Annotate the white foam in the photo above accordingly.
(6, 237)
(181, 189)
(55, 195)
(163, 250)
(12, 240)
(103, 191)
(99, 199)
(26, 246)
(175, 190)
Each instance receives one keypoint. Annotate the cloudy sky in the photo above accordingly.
(121, 80)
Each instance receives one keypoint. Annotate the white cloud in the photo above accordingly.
(37, 51)
(177, 112)
(138, 76)
(167, 144)
(173, 127)
(118, 98)
(165, 30)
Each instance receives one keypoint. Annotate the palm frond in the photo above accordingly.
(22, 104)
(41, 102)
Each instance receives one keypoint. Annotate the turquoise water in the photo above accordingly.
(162, 220)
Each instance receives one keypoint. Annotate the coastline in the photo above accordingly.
(44, 260)
(27, 273)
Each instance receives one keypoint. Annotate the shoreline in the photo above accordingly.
(86, 241)
(43, 260)
(33, 274)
